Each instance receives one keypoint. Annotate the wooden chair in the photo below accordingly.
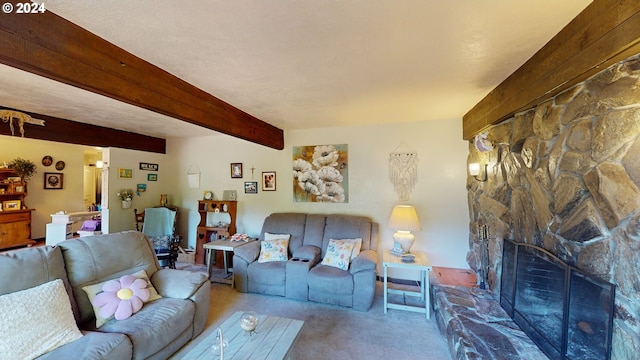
(165, 246)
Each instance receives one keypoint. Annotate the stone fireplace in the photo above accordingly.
(565, 176)
(567, 313)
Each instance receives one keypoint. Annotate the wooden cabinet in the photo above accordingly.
(204, 232)
(15, 217)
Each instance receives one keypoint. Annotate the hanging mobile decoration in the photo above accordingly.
(403, 171)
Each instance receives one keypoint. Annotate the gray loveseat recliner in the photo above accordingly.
(303, 277)
(158, 330)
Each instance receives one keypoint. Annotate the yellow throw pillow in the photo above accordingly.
(274, 250)
(338, 253)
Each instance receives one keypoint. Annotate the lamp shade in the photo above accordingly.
(404, 217)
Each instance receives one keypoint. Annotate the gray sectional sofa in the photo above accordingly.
(158, 330)
(302, 276)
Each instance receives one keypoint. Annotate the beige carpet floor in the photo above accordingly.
(338, 333)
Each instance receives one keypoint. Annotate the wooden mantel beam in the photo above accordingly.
(48, 45)
(605, 32)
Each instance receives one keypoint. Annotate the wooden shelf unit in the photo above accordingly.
(15, 224)
(204, 232)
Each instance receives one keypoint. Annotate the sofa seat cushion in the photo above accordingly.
(268, 273)
(157, 324)
(330, 280)
(94, 345)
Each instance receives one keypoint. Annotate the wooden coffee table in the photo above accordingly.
(273, 339)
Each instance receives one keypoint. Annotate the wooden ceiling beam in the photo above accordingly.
(605, 32)
(50, 46)
(72, 132)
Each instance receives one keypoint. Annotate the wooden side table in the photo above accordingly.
(224, 246)
(420, 264)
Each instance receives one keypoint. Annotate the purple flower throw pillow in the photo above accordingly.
(122, 298)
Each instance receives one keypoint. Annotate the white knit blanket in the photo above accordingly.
(35, 321)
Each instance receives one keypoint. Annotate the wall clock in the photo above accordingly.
(208, 195)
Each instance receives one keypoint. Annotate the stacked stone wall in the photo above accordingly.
(565, 175)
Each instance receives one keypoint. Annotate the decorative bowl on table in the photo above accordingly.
(249, 322)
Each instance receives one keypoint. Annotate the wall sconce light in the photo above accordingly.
(478, 171)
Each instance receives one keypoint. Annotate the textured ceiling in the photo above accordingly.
(301, 64)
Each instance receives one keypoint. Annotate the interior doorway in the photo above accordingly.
(92, 180)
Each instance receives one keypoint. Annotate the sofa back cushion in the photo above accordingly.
(286, 223)
(350, 227)
(318, 229)
(314, 230)
(94, 259)
(26, 268)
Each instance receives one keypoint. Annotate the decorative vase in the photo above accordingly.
(126, 204)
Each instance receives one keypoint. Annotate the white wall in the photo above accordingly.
(440, 195)
(46, 202)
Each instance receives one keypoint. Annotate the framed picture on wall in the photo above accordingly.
(250, 187)
(236, 170)
(53, 181)
(269, 181)
(125, 173)
(152, 177)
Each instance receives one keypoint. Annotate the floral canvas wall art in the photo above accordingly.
(321, 173)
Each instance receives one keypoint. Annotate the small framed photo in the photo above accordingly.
(269, 181)
(11, 205)
(19, 189)
(236, 170)
(152, 177)
(14, 179)
(142, 187)
(125, 173)
(250, 187)
(53, 181)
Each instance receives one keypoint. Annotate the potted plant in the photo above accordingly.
(126, 196)
(23, 168)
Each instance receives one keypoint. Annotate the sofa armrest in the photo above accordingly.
(177, 284)
(248, 252)
(308, 252)
(366, 260)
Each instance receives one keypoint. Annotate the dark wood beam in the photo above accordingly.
(72, 132)
(605, 32)
(48, 45)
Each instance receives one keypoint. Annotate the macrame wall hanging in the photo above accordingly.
(403, 170)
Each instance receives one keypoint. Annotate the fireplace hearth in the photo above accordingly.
(566, 312)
